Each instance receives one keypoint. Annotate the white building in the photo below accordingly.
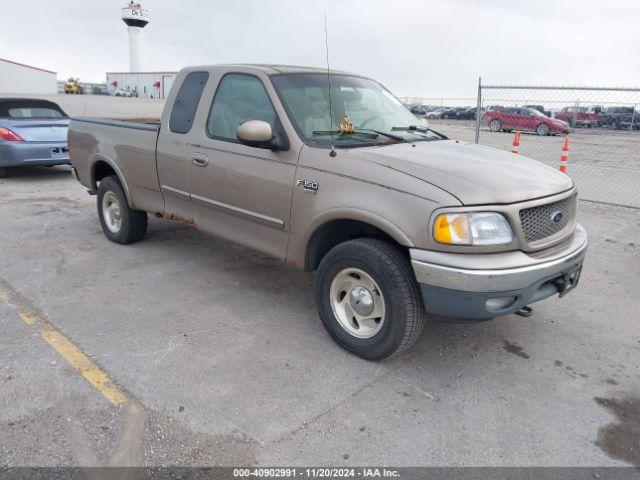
(137, 82)
(19, 78)
(141, 84)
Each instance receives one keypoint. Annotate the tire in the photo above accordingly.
(386, 274)
(120, 223)
(3, 172)
(495, 125)
(542, 129)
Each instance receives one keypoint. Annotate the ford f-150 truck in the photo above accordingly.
(332, 174)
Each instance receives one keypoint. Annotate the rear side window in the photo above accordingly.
(186, 103)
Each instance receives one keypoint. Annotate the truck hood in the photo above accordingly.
(474, 174)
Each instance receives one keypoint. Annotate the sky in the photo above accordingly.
(419, 48)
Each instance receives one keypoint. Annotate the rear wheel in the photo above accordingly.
(542, 129)
(495, 125)
(3, 172)
(120, 223)
(368, 299)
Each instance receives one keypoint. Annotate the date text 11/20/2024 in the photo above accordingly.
(321, 472)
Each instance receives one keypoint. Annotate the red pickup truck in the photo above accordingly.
(578, 116)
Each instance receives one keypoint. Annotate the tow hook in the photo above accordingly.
(525, 311)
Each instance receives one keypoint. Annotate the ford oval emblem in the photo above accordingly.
(556, 217)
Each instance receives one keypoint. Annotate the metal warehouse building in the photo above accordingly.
(141, 84)
(20, 78)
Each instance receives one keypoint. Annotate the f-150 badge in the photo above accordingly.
(308, 186)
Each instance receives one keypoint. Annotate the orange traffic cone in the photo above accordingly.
(516, 142)
(565, 154)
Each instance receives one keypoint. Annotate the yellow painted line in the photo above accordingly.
(83, 364)
(28, 319)
(97, 377)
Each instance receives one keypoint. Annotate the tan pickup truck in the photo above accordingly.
(332, 174)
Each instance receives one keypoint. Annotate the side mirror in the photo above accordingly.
(256, 133)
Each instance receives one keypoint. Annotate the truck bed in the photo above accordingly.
(127, 147)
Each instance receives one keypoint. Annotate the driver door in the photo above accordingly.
(242, 193)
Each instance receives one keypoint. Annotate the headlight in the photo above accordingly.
(480, 228)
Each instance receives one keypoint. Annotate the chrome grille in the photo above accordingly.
(538, 222)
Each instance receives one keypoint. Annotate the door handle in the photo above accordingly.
(200, 160)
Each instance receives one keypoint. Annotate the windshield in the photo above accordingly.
(537, 113)
(368, 106)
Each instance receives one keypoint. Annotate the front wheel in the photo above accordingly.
(495, 125)
(120, 223)
(368, 299)
(542, 129)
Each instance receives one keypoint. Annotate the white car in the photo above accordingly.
(436, 113)
(121, 92)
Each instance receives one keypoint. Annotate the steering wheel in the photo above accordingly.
(371, 119)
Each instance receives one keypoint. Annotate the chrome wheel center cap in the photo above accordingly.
(361, 301)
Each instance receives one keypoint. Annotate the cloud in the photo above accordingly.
(417, 48)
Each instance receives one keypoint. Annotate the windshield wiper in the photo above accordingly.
(397, 138)
(339, 133)
(366, 132)
(418, 129)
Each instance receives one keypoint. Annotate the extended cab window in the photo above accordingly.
(239, 98)
(186, 103)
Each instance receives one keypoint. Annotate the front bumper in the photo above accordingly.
(482, 286)
(13, 154)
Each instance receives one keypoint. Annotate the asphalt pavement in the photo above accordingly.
(220, 359)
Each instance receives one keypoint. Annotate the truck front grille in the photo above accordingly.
(543, 221)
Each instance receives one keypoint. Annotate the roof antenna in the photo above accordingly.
(332, 152)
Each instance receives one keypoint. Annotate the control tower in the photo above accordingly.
(136, 19)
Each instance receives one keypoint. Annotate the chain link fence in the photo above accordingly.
(600, 125)
(603, 127)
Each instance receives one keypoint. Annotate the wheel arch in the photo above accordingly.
(335, 227)
(101, 167)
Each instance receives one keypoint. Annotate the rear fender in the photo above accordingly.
(97, 157)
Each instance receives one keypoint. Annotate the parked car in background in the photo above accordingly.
(524, 119)
(121, 92)
(437, 113)
(578, 116)
(419, 110)
(453, 112)
(468, 114)
(539, 108)
(395, 219)
(32, 132)
(619, 117)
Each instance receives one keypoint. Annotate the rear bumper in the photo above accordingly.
(460, 285)
(14, 154)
